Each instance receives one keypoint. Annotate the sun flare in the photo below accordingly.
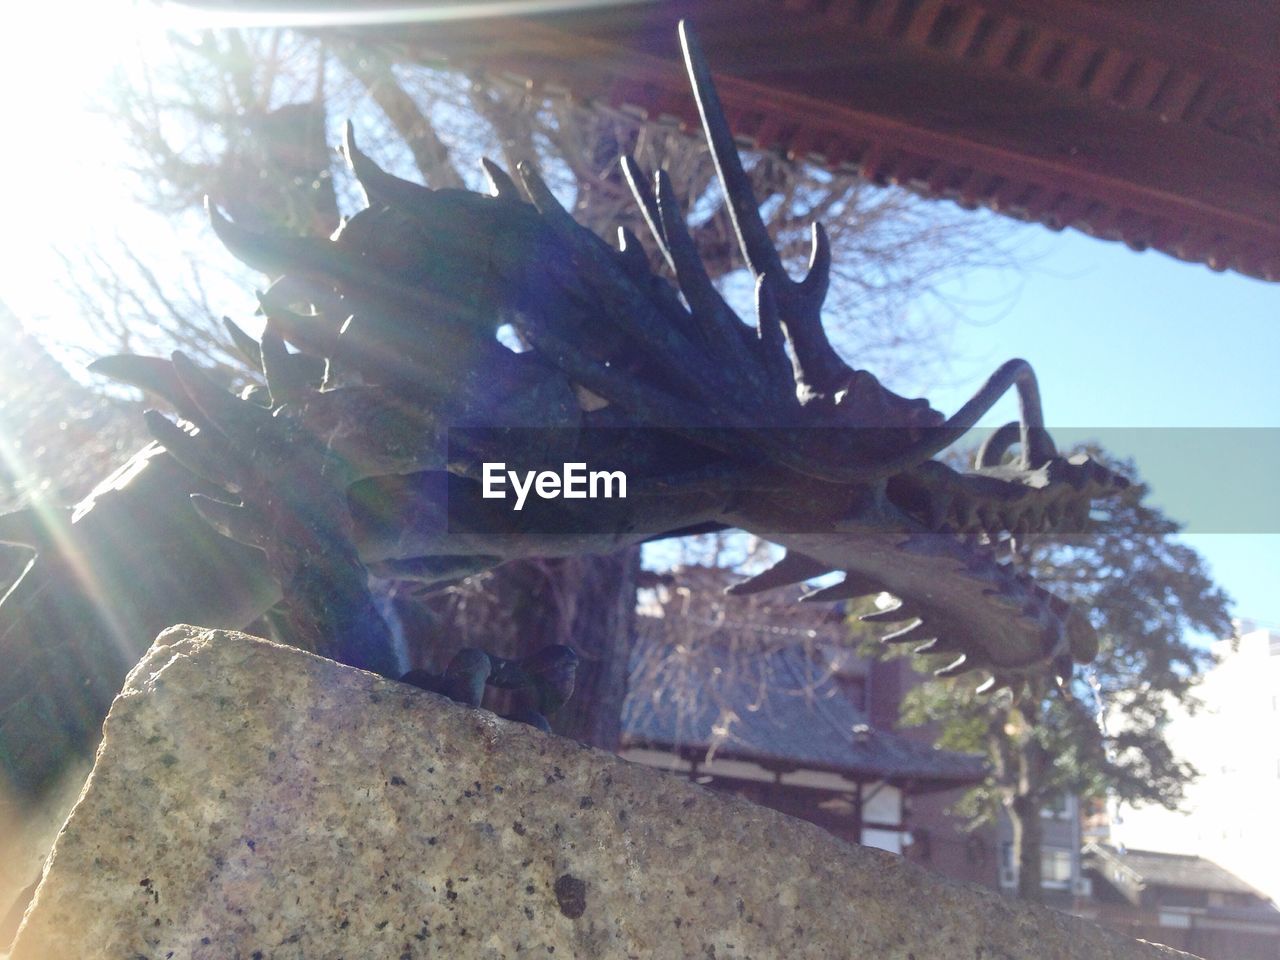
(63, 164)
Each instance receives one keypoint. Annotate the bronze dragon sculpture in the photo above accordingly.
(361, 452)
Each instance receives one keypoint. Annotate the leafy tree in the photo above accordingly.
(1146, 594)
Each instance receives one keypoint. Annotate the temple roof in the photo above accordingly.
(1156, 124)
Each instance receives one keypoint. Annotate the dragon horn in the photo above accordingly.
(800, 303)
(773, 339)
(753, 236)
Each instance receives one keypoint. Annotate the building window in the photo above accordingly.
(1056, 809)
(1055, 866)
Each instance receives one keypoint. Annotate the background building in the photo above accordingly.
(771, 703)
(1181, 900)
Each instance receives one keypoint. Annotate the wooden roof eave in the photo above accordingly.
(1118, 153)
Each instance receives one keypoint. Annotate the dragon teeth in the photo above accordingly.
(990, 685)
(956, 667)
(903, 611)
(940, 645)
(848, 588)
(906, 635)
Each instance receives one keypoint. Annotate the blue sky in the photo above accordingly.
(1135, 348)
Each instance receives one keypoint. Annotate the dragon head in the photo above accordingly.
(762, 426)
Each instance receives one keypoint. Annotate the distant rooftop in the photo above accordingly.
(781, 709)
(1177, 870)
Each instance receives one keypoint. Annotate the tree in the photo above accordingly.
(1101, 735)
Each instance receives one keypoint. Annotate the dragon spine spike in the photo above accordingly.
(500, 183)
(286, 379)
(544, 200)
(306, 333)
(791, 569)
(379, 186)
(239, 421)
(238, 522)
(704, 299)
(648, 207)
(246, 347)
(632, 256)
(32, 527)
(152, 374)
(207, 457)
(274, 255)
(243, 245)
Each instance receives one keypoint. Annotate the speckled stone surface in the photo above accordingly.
(253, 801)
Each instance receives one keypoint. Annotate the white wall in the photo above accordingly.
(1232, 815)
